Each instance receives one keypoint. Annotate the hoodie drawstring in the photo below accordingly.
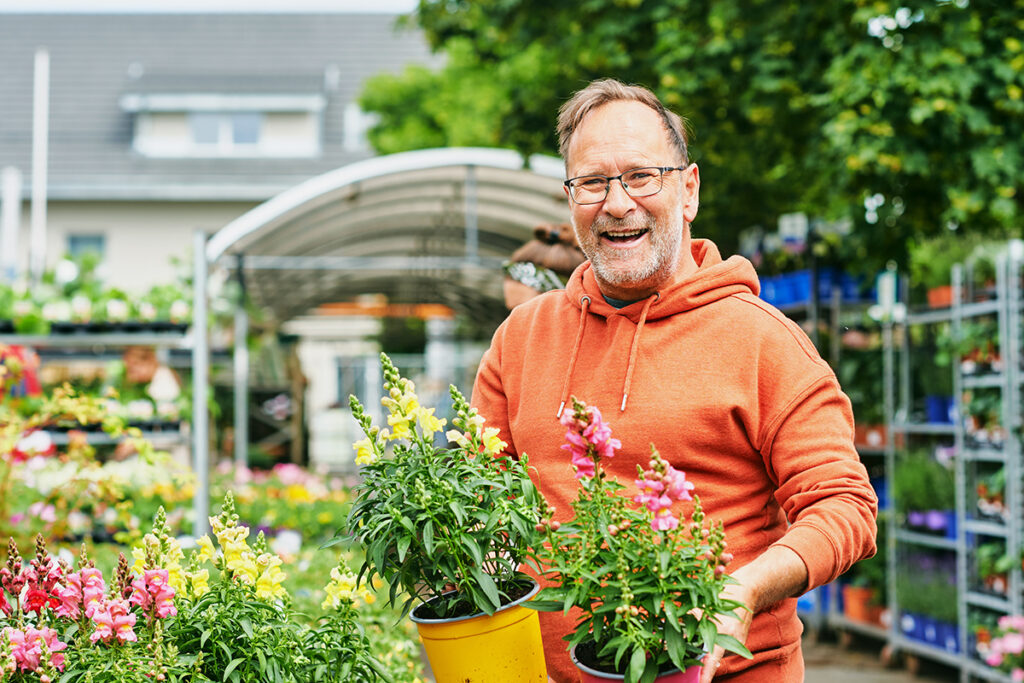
(584, 307)
(633, 349)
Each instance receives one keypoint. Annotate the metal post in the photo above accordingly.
(241, 373)
(40, 144)
(472, 232)
(200, 383)
(10, 222)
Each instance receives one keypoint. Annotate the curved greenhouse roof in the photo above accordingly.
(430, 226)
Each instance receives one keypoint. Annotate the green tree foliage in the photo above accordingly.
(913, 105)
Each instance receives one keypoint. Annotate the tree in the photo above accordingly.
(913, 107)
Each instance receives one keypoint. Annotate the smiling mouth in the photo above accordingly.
(624, 236)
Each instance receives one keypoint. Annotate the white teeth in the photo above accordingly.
(634, 233)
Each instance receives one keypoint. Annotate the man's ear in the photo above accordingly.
(691, 192)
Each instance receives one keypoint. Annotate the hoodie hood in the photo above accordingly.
(715, 279)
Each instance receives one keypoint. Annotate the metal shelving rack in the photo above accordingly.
(99, 346)
(1006, 307)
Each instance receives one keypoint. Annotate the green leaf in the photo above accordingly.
(637, 663)
(403, 547)
(428, 537)
(231, 667)
(675, 646)
(487, 585)
(246, 626)
(733, 645)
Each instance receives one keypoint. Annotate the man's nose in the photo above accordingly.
(618, 202)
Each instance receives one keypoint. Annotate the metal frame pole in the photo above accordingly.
(200, 390)
(241, 375)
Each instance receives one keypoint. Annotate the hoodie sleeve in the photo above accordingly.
(489, 394)
(823, 487)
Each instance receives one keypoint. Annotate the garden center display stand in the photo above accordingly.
(981, 442)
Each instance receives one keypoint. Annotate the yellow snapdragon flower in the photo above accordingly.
(340, 589)
(365, 455)
(492, 444)
(198, 583)
(400, 427)
(206, 550)
(268, 585)
(429, 424)
(243, 567)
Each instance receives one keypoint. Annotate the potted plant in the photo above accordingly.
(448, 527)
(924, 492)
(647, 582)
(994, 565)
(864, 589)
(931, 263)
(1002, 651)
(991, 494)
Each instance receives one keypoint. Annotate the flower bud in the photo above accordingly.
(612, 529)
(539, 527)
(555, 525)
(719, 570)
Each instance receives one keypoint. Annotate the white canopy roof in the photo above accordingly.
(430, 226)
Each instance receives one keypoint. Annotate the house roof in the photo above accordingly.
(423, 226)
(98, 60)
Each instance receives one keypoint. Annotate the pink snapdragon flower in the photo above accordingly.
(27, 647)
(588, 438)
(661, 486)
(83, 589)
(112, 618)
(152, 593)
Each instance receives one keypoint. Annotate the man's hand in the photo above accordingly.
(737, 628)
(776, 574)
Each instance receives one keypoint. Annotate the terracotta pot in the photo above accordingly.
(940, 297)
(857, 604)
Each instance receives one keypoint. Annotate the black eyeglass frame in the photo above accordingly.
(608, 182)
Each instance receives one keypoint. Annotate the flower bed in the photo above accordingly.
(221, 613)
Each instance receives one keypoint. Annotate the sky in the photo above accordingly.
(180, 6)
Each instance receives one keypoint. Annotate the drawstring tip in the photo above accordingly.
(622, 408)
(560, 407)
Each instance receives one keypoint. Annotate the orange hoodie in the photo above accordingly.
(728, 389)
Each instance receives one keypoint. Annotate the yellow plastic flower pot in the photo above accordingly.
(505, 646)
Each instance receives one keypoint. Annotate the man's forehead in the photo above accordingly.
(626, 130)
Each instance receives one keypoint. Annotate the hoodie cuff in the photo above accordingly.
(816, 551)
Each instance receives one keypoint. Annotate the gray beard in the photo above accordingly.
(662, 249)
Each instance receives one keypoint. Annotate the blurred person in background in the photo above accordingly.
(542, 264)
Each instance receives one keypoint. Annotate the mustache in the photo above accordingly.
(634, 221)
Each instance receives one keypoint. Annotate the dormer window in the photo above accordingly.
(226, 132)
(202, 125)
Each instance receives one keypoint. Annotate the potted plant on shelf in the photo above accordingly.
(447, 527)
(1003, 651)
(865, 587)
(924, 491)
(931, 263)
(991, 491)
(994, 565)
(648, 583)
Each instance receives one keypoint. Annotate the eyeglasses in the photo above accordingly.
(637, 182)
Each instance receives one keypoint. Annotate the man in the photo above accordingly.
(676, 349)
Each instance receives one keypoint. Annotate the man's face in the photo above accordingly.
(634, 244)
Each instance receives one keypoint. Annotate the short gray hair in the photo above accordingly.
(606, 90)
